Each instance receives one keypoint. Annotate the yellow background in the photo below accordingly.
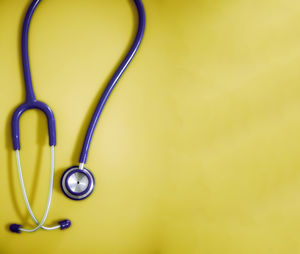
(197, 150)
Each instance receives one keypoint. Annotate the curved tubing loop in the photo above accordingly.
(15, 125)
(30, 96)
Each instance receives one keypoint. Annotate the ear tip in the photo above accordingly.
(64, 224)
(15, 228)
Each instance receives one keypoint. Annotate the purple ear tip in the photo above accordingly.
(15, 228)
(64, 224)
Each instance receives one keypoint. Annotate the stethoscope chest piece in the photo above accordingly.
(76, 183)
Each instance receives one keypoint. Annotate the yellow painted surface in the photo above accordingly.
(198, 148)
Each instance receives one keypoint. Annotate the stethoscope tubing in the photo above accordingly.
(112, 83)
(30, 96)
(31, 101)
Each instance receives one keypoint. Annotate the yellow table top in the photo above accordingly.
(197, 150)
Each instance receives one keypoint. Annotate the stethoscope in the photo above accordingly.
(77, 182)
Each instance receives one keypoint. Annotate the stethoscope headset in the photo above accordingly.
(77, 182)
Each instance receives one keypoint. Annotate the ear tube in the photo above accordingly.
(17, 228)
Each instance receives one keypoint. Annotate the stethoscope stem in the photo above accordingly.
(81, 166)
(30, 96)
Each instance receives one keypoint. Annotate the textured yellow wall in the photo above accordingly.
(197, 151)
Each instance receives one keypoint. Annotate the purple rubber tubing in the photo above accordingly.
(32, 103)
(111, 84)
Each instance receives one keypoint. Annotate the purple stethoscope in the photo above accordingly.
(77, 182)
